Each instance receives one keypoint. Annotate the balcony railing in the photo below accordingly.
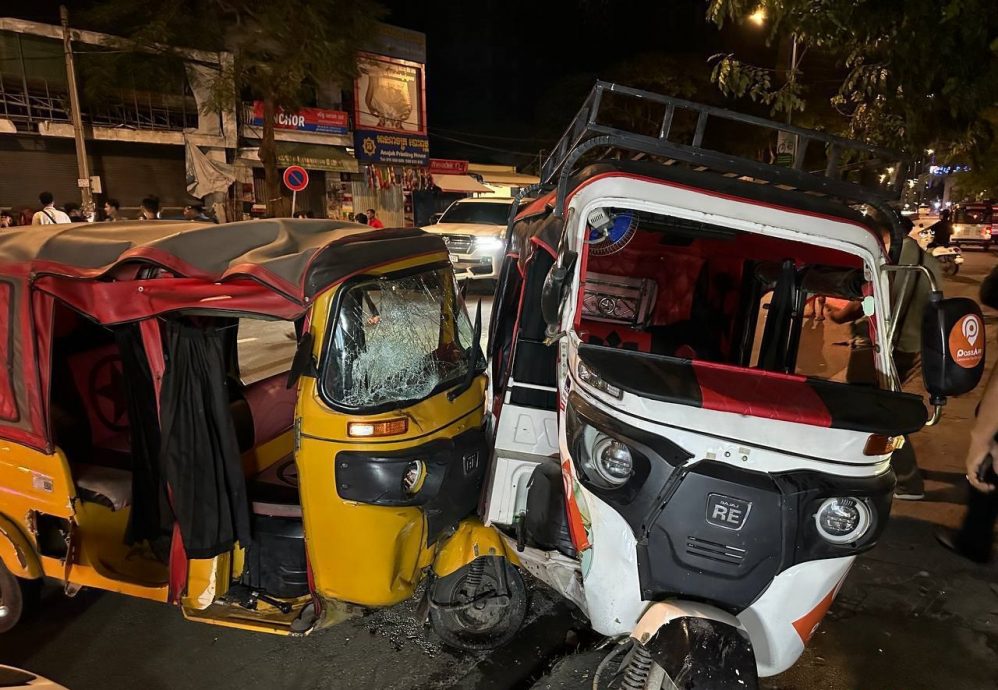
(28, 103)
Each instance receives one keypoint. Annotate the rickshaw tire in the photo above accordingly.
(448, 624)
(17, 596)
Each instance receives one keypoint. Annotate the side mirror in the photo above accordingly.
(303, 364)
(553, 291)
(952, 346)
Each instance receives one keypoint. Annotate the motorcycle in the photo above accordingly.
(950, 258)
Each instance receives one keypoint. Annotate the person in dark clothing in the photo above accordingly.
(974, 539)
(150, 208)
(360, 218)
(942, 230)
(195, 212)
(74, 212)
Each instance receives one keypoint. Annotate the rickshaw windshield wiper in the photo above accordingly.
(473, 350)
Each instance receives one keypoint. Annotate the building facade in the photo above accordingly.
(135, 134)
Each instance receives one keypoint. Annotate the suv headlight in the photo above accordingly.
(843, 520)
(488, 243)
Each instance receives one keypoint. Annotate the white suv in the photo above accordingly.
(474, 232)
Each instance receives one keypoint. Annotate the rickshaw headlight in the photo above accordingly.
(612, 461)
(843, 520)
(592, 379)
(414, 476)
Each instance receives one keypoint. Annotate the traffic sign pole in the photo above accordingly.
(295, 179)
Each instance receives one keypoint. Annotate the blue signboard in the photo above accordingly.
(391, 148)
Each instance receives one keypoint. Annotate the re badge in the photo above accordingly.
(727, 512)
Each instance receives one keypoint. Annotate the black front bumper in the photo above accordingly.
(712, 531)
(455, 471)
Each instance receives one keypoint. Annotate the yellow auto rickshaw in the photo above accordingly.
(136, 457)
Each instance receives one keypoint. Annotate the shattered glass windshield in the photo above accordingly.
(397, 339)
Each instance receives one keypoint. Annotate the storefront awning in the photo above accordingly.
(463, 184)
(316, 157)
(510, 179)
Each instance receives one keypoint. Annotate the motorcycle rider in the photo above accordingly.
(942, 230)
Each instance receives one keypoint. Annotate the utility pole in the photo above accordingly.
(82, 165)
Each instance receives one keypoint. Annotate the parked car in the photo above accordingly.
(474, 232)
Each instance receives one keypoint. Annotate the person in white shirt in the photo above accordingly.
(49, 215)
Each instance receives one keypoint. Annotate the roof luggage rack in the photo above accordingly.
(585, 134)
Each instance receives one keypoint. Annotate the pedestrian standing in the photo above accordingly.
(7, 220)
(974, 539)
(360, 218)
(74, 212)
(372, 219)
(112, 209)
(150, 208)
(49, 215)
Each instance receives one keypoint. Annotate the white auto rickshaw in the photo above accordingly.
(681, 449)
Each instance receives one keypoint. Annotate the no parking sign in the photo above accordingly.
(295, 178)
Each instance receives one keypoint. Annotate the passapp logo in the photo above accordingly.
(966, 347)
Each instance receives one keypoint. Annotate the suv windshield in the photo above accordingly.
(477, 212)
(396, 339)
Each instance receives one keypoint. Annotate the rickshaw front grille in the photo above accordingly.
(715, 551)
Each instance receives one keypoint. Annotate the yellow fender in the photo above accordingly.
(16, 552)
(471, 540)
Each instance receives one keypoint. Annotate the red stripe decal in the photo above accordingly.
(760, 394)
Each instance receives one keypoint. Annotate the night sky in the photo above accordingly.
(494, 66)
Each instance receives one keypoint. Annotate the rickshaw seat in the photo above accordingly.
(274, 492)
(108, 486)
(263, 411)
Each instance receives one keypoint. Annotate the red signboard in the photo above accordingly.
(306, 120)
(443, 166)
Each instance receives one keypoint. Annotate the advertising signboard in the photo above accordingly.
(392, 149)
(390, 117)
(444, 166)
(317, 120)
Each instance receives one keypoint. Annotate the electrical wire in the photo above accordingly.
(527, 154)
(491, 136)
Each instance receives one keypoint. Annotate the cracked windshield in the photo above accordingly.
(397, 339)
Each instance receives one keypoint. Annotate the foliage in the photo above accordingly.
(914, 72)
(279, 50)
(982, 180)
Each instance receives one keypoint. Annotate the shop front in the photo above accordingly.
(328, 168)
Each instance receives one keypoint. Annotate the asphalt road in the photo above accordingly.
(910, 616)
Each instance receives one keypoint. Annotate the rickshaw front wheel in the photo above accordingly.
(481, 606)
(15, 593)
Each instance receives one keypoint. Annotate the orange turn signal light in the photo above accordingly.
(879, 444)
(386, 427)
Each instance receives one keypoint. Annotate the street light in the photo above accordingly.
(758, 17)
